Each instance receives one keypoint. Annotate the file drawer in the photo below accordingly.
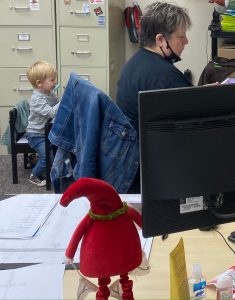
(82, 47)
(23, 46)
(16, 85)
(82, 13)
(96, 75)
(21, 12)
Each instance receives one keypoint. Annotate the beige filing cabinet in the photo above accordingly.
(27, 30)
(91, 41)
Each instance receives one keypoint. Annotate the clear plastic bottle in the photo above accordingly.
(224, 287)
(197, 284)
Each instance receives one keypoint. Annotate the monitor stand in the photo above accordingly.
(231, 237)
(208, 228)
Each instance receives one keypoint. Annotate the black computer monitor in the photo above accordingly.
(187, 153)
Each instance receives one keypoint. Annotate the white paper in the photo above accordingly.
(20, 257)
(228, 81)
(131, 198)
(22, 215)
(56, 231)
(42, 281)
(50, 242)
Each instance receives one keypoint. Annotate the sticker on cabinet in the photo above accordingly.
(98, 11)
(34, 4)
(85, 8)
(101, 21)
(96, 1)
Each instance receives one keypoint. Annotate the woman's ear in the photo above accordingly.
(160, 40)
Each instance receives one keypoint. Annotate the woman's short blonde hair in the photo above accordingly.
(40, 70)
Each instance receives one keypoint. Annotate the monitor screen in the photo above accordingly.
(187, 154)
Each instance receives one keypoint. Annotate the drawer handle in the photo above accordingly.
(81, 13)
(22, 8)
(23, 89)
(81, 52)
(24, 48)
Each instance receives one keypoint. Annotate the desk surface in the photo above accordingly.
(204, 247)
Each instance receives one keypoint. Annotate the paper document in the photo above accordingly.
(22, 215)
(179, 288)
(131, 198)
(42, 281)
(228, 81)
(55, 233)
(50, 242)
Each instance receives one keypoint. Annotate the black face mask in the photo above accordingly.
(172, 58)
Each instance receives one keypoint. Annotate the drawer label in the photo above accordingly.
(22, 36)
(23, 78)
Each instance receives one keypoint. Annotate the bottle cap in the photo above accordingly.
(197, 271)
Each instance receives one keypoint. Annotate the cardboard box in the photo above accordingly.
(227, 51)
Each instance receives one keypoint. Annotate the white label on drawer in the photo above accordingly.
(24, 36)
(97, 1)
(23, 77)
(34, 4)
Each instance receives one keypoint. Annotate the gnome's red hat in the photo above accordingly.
(102, 196)
(110, 241)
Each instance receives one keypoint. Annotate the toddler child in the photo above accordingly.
(43, 106)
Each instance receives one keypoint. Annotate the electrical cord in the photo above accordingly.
(225, 240)
(207, 41)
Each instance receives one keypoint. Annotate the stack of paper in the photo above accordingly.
(50, 242)
(23, 223)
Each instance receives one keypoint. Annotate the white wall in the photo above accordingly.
(198, 52)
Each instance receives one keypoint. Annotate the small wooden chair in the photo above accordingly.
(19, 144)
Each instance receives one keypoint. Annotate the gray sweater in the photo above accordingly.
(42, 108)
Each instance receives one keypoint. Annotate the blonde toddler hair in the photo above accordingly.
(40, 70)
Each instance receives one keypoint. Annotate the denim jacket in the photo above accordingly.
(93, 128)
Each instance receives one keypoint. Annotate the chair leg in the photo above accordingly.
(48, 165)
(14, 168)
(48, 180)
(26, 160)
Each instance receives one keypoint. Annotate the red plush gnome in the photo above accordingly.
(110, 241)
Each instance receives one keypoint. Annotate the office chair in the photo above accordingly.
(19, 144)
